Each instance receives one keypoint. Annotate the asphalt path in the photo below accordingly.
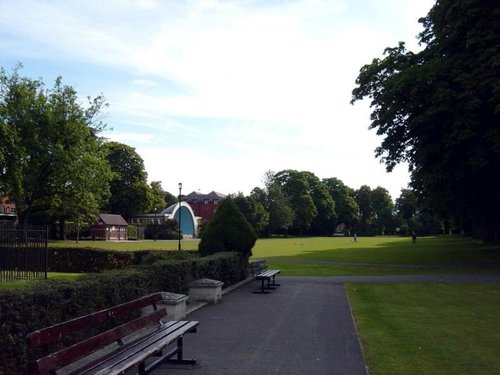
(305, 326)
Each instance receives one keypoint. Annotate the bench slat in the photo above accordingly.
(58, 331)
(139, 352)
(80, 350)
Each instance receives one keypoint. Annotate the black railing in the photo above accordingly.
(23, 253)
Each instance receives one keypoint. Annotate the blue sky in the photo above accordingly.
(214, 93)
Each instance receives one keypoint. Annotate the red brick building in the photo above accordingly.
(204, 205)
(109, 227)
(7, 210)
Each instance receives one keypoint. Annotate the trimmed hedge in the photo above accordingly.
(54, 301)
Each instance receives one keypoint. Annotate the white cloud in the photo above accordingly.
(239, 87)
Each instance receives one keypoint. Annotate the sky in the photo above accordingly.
(215, 93)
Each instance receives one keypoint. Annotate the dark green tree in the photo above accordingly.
(228, 230)
(51, 160)
(296, 188)
(326, 219)
(253, 211)
(345, 206)
(363, 198)
(384, 219)
(158, 195)
(130, 192)
(275, 203)
(439, 110)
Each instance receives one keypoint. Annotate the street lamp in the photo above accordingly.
(180, 212)
(156, 229)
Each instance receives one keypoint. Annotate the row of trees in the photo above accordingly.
(298, 202)
(439, 111)
(55, 166)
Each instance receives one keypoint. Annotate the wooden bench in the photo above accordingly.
(266, 276)
(129, 344)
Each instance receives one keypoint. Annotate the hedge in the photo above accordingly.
(53, 301)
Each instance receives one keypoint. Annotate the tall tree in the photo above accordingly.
(363, 197)
(295, 186)
(383, 211)
(51, 160)
(275, 203)
(345, 206)
(158, 195)
(253, 211)
(438, 110)
(326, 219)
(130, 192)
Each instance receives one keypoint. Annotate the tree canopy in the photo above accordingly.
(439, 110)
(228, 230)
(130, 192)
(51, 158)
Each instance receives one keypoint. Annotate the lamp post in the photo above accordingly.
(156, 229)
(180, 213)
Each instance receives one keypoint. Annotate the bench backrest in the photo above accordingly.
(57, 332)
(258, 266)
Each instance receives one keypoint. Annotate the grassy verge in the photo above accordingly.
(308, 268)
(29, 283)
(168, 245)
(428, 328)
(449, 250)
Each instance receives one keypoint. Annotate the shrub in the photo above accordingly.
(54, 301)
(132, 232)
(227, 231)
(167, 230)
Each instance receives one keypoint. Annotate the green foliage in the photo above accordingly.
(167, 230)
(88, 260)
(228, 230)
(132, 232)
(51, 159)
(130, 192)
(253, 211)
(54, 301)
(345, 206)
(438, 110)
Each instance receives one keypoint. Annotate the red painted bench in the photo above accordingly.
(129, 345)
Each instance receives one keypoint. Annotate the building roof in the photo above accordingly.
(110, 219)
(197, 196)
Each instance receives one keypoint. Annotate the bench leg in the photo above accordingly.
(261, 290)
(167, 358)
(274, 282)
(180, 357)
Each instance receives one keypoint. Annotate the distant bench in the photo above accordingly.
(266, 276)
(118, 349)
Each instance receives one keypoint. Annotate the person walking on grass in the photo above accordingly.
(414, 237)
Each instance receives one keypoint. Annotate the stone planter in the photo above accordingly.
(175, 304)
(205, 290)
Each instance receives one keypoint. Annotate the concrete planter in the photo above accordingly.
(175, 304)
(205, 290)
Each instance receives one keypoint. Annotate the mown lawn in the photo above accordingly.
(332, 256)
(428, 328)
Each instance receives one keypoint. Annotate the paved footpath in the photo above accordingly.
(305, 326)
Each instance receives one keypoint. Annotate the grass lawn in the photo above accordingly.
(332, 256)
(428, 328)
(129, 245)
(29, 283)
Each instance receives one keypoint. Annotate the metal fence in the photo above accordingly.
(23, 253)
